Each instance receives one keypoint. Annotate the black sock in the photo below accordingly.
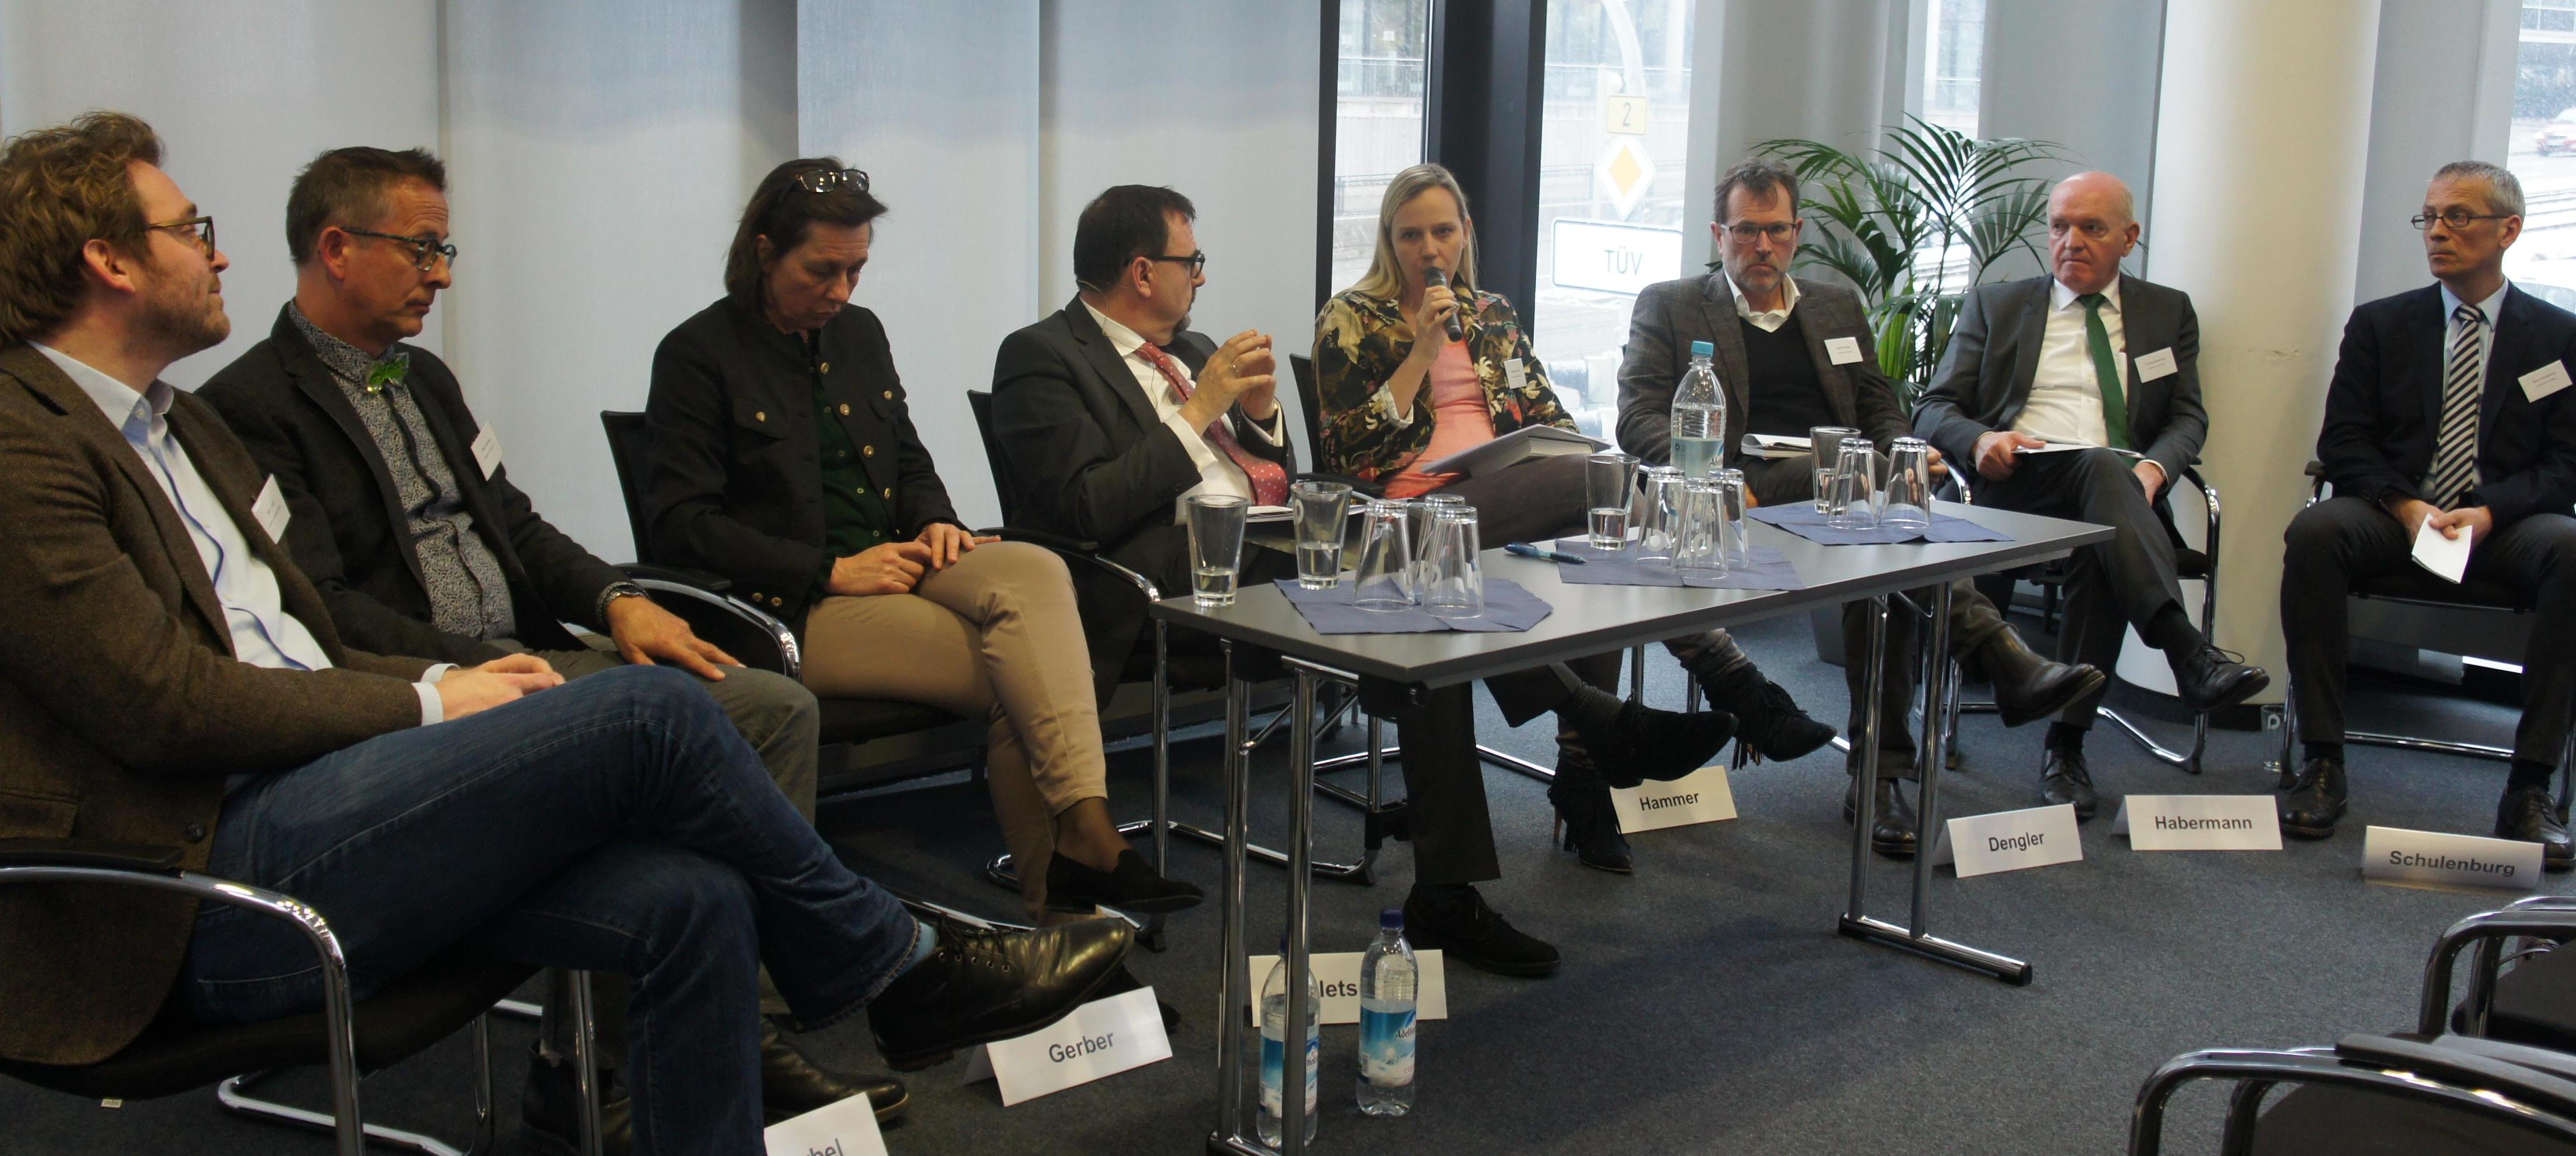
(2527, 773)
(1440, 894)
(2063, 737)
(2172, 632)
(2332, 752)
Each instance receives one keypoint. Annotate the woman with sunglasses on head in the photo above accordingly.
(1396, 392)
(785, 459)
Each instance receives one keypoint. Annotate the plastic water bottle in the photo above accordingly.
(1699, 417)
(1274, 1047)
(1389, 976)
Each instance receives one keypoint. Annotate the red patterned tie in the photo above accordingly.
(1269, 481)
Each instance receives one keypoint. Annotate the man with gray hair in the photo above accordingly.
(2449, 414)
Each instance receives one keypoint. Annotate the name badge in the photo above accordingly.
(2199, 823)
(1842, 350)
(2010, 841)
(270, 510)
(1100, 1039)
(2157, 364)
(2546, 380)
(1337, 977)
(2432, 859)
(1701, 796)
(487, 452)
(1516, 373)
(844, 1128)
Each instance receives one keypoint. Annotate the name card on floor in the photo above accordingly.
(2199, 823)
(1101, 1038)
(2010, 840)
(1701, 796)
(2434, 859)
(845, 1128)
(1337, 974)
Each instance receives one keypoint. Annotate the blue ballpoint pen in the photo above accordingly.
(1526, 550)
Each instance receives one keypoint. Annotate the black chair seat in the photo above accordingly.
(2535, 1003)
(175, 1055)
(857, 720)
(2415, 584)
(2316, 1118)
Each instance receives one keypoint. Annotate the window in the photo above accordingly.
(1954, 52)
(2543, 152)
(1611, 152)
(1377, 122)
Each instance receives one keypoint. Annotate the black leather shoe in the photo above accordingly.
(550, 1109)
(2212, 678)
(979, 986)
(2028, 687)
(1772, 722)
(792, 1084)
(1466, 930)
(1586, 823)
(1130, 886)
(1891, 829)
(2064, 777)
(1631, 742)
(2526, 813)
(2315, 801)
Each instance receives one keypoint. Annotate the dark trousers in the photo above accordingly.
(2343, 541)
(2125, 582)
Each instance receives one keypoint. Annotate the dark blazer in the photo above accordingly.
(2385, 405)
(1088, 457)
(735, 482)
(122, 709)
(348, 532)
(1984, 379)
(1672, 314)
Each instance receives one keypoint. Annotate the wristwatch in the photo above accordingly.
(613, 592)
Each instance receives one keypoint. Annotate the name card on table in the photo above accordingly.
(2010, 840)
(845, 1128)
(2434, 859)
(1701, 796)
(1101, 1038)
(2199, 823)
(1337, 975)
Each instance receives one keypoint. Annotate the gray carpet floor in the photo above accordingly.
(1706, 1004)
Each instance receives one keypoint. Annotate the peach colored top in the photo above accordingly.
(1460, 421)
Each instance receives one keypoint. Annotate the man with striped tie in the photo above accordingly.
(2449, 410)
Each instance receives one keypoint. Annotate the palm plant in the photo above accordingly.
(1888, 220)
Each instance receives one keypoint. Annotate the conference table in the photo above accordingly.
(1586, 620)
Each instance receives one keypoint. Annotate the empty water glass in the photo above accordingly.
(1453, 579)
(1733, 549)
(1700, 547)
(1216, 547)
(1826, 443)
(1856, 494)
(1909, 485)
(1608, 480)
(1418, 515)
(1386, 558)
(1320, 529)
(1660, 520)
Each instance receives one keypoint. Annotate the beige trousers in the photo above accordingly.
(995, 635)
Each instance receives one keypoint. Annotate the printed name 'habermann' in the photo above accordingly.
(2178, 823)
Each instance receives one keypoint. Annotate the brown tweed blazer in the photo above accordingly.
(122, 708)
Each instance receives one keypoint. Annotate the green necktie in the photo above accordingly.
(2106, 372)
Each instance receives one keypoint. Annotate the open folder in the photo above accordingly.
(1534, 441)
(2059, 446)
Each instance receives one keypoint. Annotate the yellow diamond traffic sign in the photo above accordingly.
(1624, 173)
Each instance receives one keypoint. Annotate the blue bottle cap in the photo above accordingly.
(1703, 349)
(1391, 919)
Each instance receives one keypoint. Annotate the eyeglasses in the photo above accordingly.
(425, 248)
(1778, 231)
(1196, 261)
(2455, 218)
(204, 227)
(826, 180)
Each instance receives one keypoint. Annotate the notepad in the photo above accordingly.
(2054, 446)
(1769, 446)
(1512, 448)
(2447, 557)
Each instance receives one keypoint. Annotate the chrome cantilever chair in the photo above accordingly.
(2380, 1094)
(175, 1055)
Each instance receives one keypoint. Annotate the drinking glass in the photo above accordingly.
(1320, 530)
(1826, 442)
(1418, 515)
(1700, 547)
(1386, 558)
(1661, 521)
(1909, 485)
(1734, 549)
(1856, 494)
(1608, 480)
(1453, 584)
(1216, 547)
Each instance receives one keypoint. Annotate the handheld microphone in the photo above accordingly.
(1435, 275)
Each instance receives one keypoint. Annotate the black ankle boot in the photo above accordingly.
(1766, 717)
(1632, 742)
(1586, 823)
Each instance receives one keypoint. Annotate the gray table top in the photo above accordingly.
(1595, 619)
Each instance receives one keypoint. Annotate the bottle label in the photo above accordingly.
(1274, 1076)
(1386, 1047)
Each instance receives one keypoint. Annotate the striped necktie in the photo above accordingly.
(2455, 446)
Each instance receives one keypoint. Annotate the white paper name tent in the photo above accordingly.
(2199, 823)
(2432, 859)
(1101, 1038)
(1701, 796)
(2010, 841)
(1337, 975)
(845, 1128)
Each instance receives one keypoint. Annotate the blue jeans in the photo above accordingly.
(617, 823)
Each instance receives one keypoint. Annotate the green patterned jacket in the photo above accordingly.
(1360, 340)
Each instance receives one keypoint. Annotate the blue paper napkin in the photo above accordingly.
(1769, 570)
(1801, 518)
(1508, 607)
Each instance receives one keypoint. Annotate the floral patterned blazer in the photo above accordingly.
(1361, 339)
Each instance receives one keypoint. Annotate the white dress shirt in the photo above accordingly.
(1768, 320)
(1217, 473)
(263, 633)
(2065, 398)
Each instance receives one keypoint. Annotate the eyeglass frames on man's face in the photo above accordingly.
(426, 250)
(204, 227)
(1196, 261)
(826, 180)
(1778, 231)
(2455, 218)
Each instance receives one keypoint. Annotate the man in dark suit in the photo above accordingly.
(1792, 356)
(2088, 357)
(403, 515)
(2448, 414)
(1111, 411)
(173, 681)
